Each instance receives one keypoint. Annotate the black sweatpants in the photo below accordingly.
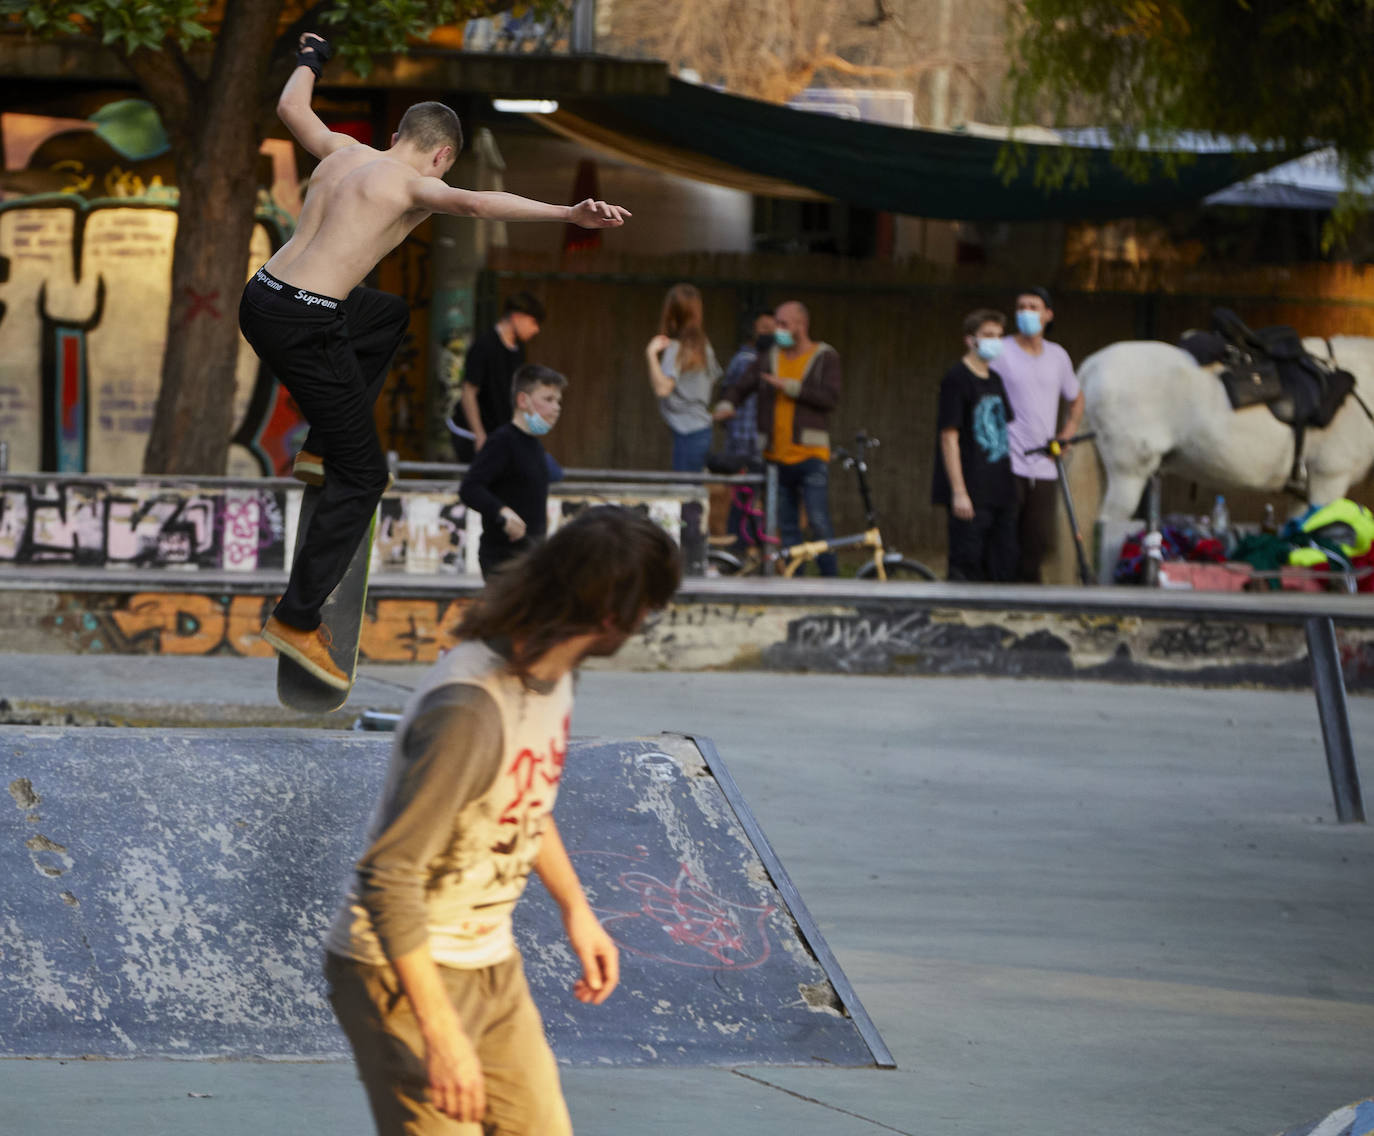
(985, 547)
(1039, 502)
(333, 356)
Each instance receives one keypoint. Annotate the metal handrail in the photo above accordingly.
(455, 471)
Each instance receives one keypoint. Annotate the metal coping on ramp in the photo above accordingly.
(1353, 1120)
(168, 893)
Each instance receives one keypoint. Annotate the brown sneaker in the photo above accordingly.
(310, 649)
(308, 467)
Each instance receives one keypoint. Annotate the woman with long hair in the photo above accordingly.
(682, 371)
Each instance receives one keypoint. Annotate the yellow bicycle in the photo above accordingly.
(757, 558)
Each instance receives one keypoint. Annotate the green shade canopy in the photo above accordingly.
(924, 173)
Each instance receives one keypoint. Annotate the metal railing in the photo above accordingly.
(767, 481)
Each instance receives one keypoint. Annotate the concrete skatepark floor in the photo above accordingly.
(1069, 907)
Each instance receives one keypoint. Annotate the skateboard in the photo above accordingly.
(297, 688)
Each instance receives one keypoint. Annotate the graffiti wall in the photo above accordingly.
(245, 526)
(699, 632)
(87, 222)
(94, 524)
(194, 623)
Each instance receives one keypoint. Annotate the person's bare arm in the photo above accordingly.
(293, 108)
(960, 504)
(468, 400)
(595, 949)
(663, 384)
(1074, 419)
(438, 197)
(449, 756)
(456, 1085)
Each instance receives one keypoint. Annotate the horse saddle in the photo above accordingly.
(1270, 367)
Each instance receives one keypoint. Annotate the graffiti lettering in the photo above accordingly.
(1206, 640)
(410, 631)
(95, 524)
(882, 641)
(192, 623)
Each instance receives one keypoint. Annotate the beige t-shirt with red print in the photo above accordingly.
(474, 772)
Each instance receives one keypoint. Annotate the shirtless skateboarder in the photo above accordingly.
(330, 341)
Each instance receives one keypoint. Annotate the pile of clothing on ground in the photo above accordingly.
(1338, 537)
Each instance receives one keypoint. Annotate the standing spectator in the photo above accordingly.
(742, 431)
(508, 481)
(682, 371)
(742, 450)
(1038, 375)
(798, 384)
(491, 363)
(973, 477)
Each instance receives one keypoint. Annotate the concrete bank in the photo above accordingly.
(845, 626)
(1070, 907)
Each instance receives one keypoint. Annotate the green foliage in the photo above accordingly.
(1291, 74)
(126, 25)
(361, 29)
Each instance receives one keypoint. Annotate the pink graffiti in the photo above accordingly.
(692, 916)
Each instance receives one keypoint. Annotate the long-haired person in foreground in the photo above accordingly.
(423, 970)
(682, 371)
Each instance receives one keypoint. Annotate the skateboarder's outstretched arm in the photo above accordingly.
(438, 197)
(294, 109)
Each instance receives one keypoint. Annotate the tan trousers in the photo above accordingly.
(524, 1097)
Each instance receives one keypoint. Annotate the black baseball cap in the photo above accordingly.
(1041, 291)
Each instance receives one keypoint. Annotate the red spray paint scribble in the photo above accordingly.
(692, 916)
(202, 303)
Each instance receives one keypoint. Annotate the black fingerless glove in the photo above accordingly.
(314, 54)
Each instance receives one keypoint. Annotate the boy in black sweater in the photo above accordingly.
(508, 481)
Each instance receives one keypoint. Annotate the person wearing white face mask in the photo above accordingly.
(1039, 376)
(508, 481)
(973, 477)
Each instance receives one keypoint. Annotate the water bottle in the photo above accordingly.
(1270, 525)
(1221, 521)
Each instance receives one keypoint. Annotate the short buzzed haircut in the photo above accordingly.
(527, 304)
(975, 320)
(532, 375)
(427, 126)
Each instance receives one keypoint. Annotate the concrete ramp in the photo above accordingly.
(166, 894)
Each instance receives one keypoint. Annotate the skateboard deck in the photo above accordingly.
(297, 688)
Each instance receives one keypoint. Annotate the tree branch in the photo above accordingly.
(167, 78)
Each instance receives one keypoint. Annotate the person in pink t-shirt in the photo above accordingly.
(1038, 376)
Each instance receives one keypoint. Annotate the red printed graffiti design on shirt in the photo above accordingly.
(533, 774)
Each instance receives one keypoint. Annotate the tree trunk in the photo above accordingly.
(216, 168)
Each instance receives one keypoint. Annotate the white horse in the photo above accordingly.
(1153, 407)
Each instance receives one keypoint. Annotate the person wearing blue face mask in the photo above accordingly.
(972, 477)
(798, 383)
(508, 481)
(1039, 377)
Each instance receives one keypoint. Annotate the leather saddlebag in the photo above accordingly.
(1254, 381)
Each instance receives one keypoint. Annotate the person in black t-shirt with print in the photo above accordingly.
(508, 481)
(973, 475)
(485, 401)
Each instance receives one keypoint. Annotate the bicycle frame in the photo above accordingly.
(787, 562)
(794, 557)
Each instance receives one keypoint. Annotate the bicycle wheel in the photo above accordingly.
(897, 568)
(725, 563)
